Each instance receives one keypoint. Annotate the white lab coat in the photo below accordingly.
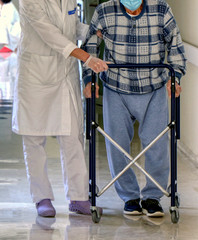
(9, 26)
(46, 73)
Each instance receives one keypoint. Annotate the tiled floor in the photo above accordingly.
(19, 220)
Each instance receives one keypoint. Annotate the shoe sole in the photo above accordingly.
(79, 210)
(156, 214)
(135, 213)
(47, 215)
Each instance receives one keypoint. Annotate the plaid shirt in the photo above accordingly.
(136, 39)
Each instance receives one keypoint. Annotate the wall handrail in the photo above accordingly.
(191, 53)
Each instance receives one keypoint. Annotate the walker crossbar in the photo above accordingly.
(173, 126)
(133, 161)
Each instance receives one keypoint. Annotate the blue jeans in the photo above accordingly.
(120, 111)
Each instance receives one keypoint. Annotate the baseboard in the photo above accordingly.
(193, 158)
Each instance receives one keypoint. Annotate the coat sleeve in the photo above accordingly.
(4, 34)
(92, 43)
(14, 29)
(81, 30)
(50, 34)
(175, 49)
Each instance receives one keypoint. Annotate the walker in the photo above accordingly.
(173, 126)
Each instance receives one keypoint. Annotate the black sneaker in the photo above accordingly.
(133, 207)
(152, 208)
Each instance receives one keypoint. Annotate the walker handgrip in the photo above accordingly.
(143, 65)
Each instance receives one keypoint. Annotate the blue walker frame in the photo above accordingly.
(173, 126)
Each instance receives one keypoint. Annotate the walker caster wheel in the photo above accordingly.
(174, 216)
(95, 217)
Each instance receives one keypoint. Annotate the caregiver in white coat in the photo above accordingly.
(47, 99)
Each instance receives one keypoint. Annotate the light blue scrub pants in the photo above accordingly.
(151, 111)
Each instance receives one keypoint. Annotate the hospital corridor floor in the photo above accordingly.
(18, 216)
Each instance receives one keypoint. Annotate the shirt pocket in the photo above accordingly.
(43, 69)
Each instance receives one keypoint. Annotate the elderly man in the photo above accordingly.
(137, 31)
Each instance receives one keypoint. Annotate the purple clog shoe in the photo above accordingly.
(81, 207)
(45, 208)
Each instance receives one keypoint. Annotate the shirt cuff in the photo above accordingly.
(69, 49)
(87, 80)
(178, 76)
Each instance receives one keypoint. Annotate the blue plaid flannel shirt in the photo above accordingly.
(136, 39)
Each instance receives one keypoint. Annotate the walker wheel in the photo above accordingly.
(95, 217)
(175, 216)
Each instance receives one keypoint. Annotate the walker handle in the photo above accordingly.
(175, 112)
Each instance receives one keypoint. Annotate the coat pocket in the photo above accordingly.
(43, 69)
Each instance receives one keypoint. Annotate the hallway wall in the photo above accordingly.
(186, 15)
(16, 3)
(89, 6)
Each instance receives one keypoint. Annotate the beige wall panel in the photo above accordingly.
(186, 13)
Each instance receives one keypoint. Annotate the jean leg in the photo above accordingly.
(157, 157)
(119, 125)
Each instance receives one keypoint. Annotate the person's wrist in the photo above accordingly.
(87, 61)
(86, 58)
